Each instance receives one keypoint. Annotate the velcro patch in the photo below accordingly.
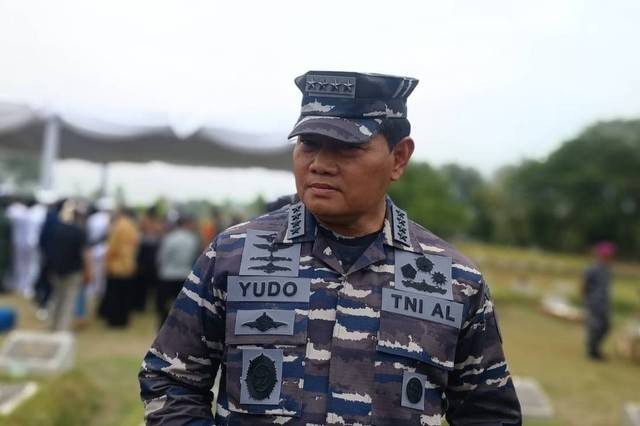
(422, 306)
(268, 289)
(423, 273)
(413, 385)
(261, 376)
(263, 255)
(265, 321)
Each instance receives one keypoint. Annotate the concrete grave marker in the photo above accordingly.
(632, 414)
(628, 342)
(14, 394)
(559, 307)
(37, 352)
(534, 402)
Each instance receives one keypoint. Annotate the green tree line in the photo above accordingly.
(585, 191)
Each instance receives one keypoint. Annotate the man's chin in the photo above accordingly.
(321, 206)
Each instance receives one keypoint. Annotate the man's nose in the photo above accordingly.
(325, 161)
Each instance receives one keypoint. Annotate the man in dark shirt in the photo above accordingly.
(5, 243)
(68, 263)
(596, 288)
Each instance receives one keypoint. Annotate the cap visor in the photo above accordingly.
(342, 129)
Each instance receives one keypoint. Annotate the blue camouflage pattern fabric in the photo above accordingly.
(350, 106)
(597, 286)
(395, 340)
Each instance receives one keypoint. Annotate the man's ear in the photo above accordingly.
(401, 154)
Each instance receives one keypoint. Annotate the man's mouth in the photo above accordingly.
(322, 189)
(322, 186)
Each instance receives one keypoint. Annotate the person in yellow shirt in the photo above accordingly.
(120, 265)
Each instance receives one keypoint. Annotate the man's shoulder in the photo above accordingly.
(275, 221)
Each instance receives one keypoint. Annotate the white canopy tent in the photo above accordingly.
(66, 136)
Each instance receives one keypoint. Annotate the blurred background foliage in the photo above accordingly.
(585, 191)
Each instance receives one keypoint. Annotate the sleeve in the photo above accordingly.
(179, 369)
(480, 390)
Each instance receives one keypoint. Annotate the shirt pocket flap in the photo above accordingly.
(423, 340)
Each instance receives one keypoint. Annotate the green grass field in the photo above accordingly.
(102, 389)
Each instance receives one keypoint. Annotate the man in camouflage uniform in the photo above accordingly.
(596, 289)
(337, 309)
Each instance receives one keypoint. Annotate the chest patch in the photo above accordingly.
(268, 289)
(265, 321)
(261, 376)
(413, 385)
(424, 274)
(423, 307)
(262, 255)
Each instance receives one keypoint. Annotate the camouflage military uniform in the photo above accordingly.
(597, 282)
(404, 337)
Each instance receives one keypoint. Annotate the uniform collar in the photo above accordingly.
(300, 226)
(397, 230)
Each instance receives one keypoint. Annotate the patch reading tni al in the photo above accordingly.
(263, 255)
(424, 273)
(422, 306)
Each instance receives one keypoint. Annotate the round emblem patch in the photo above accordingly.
(261, 377)
(414, 390)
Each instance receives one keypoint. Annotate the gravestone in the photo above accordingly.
(629, 341)
(26, 352)
(534, 402)
(14, 394)
(632, 414)
(559, 307)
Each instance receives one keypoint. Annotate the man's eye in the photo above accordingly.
(309, 145)
(351, 147)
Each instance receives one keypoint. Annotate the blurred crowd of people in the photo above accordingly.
(74, 258)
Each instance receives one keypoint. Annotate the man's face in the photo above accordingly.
(341, 182)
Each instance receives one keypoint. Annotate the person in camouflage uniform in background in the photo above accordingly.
(336, 309)
(596, 289)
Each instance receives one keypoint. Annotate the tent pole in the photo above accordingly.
(49, 154)
(104, 179)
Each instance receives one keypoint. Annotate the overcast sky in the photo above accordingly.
(499, 80)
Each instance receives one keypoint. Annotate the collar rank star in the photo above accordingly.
(330, 86)
(400, 226)
(296, 223)
(263, 255)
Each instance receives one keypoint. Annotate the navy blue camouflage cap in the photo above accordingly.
(350, 106)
